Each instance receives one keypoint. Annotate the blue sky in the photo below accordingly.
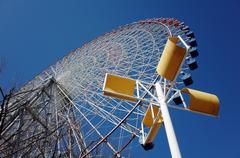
(35, 34)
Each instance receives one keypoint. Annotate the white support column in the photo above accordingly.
(172, 140)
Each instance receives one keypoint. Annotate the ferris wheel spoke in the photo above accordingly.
(110, 115)
(110, 146)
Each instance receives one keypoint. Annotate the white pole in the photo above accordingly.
(172, 140)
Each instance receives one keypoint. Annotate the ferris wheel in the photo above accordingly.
(101, 100)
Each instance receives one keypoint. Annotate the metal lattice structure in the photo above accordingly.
(62, 112)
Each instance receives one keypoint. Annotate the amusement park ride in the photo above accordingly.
(105, 98)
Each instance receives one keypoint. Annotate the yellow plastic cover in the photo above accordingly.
(202, 102)
(119, 87)
(148, 118)
(171, 59)
(148, 121)
(152, 134)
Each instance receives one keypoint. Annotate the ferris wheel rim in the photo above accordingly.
(60, 74)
